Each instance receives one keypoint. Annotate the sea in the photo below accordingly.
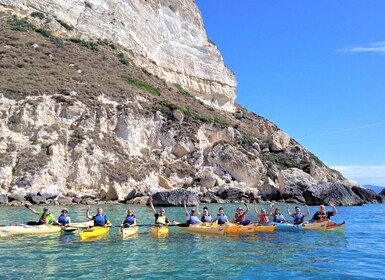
(356, 253)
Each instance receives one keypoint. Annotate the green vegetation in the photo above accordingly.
(281, 159)
(142, 85)
(37, 15)
(65, 25)
(106, 42)
(316, 159)
(84, 43)
(247, 139)
(23, 25)
(122, 58)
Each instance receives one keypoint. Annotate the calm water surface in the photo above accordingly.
(358, 253)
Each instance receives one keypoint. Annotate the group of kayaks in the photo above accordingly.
(87, 231)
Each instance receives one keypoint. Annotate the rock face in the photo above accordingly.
(79, 125)
(165, 37)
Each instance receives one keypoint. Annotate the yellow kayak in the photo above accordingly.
(336, 227)
(27, 230)
(128, 232)
(212, 229)
(159, 231)
(232, 228)
(76, 226)
(246, 229)
(94, 232)
(262, 228)
(315, 226)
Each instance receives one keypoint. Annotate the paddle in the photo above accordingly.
(159, 225)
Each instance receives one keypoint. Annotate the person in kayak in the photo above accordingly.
(100, 219)
(205, 216)
(64, 219)
(262, 217)
(298, 216)
(160, 218)
(323, 215)
(191, 219)
(221, 217)
(45, 217)
(240, 216)
(129, 220)
(277, 216)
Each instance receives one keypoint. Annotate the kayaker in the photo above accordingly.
(205, 216)
(262, 217)
(64, 219)
(277, 216)
(100, 219)
(323, 215)
(129, 220)
(160, 218)
(45, 217)
(298, 216)
(191, 219)
(240, 216)
(221, 217)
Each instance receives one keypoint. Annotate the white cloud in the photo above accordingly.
(377, 47)
(363, 174)
(352, 128)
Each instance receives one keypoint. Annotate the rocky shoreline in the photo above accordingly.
(177, 196)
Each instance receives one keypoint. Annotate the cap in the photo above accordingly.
(239, 208)
(45, 208)
(161, 210)
(65, 209)
(193, 210)
(205, 208)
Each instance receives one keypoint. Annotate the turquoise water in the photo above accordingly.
(355, 254)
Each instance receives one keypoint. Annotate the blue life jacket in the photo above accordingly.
(63, 220)
(298, 218)
(221, 219)
(193, 220)
(206, 218)
(130, 219)
(279, 218)
(100, 220)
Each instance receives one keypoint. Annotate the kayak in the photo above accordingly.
(159, 231)
(128, 232)
(264, 228)
(23, 229)
(232, 228)
(286, 226)
(76, 226)
(336, 227)
(94, 232)
(248, 229)
(213, 229)
(315, 226)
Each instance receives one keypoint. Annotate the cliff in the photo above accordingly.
(87, 114)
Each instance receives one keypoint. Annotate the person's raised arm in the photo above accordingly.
(152, 205)
(31, 209)
(185, 208)
(334, 208)
(255, 207)
(88, 213)
(198, 212)
(288, 211)
(247, 208)
(307, 211)
(271, 208)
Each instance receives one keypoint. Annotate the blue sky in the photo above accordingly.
(315, 69)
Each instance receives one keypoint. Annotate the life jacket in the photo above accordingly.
(49, 219)
(100, 220)
(298, 218)
(263, 219)
(130, 219)
(63, 219)
(239, 217)
(193, 220)
(206, 219)
(160, 220)
(322, 216)
(222, 219)
(279, 218)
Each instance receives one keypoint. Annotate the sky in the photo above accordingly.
(315, 69)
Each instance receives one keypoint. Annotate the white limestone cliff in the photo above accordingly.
(165, 37)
